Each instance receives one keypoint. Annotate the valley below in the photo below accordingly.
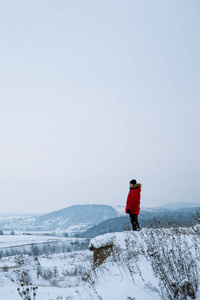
(107, 261)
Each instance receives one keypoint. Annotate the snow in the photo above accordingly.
(117, 284)
(127, 274)
(17, 240)
(104, 240)
(138, 273)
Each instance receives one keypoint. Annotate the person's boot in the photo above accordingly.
(134, 225)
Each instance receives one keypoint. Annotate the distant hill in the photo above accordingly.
(85, 219)
(147, 219)
(168, 206)
(74, 218)
(86, 215)
(175, 205)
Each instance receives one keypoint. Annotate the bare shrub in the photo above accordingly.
(28, 292)
(35, 250)
(172, 263)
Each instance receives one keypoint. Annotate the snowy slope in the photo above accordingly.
(150, 264)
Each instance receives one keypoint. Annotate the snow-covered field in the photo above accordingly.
(150, 264)
(17, 240)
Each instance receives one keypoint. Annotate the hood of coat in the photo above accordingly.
(136, 186)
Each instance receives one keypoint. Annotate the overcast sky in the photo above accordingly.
(94, 94)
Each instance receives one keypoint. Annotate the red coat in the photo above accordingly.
(133, 200)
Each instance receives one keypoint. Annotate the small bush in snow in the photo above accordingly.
(27, 292)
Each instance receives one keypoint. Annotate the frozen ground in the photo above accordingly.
(133, 271)
(17, 240)
(55, 275)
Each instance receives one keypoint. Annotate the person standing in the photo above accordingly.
(133, 203)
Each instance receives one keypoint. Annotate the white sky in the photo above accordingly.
(94, 94)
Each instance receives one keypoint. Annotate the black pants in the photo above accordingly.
(134, 222)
